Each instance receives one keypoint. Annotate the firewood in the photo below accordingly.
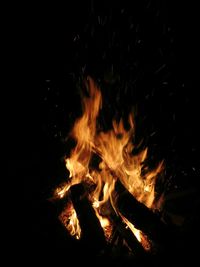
(141, 217)
(92, 234)
(132, 242)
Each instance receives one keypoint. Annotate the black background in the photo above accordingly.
(150, 65)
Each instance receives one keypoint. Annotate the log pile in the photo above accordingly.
(138, 214)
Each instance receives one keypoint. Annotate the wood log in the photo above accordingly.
(141, 217)
(92, 234)
(132, 242)
(120, 229)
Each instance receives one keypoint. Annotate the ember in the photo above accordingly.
(119, 170)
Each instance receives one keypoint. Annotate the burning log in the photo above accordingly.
(92, 230)
(90, 226)
(122, 232)
(132, 242)
(142, 217)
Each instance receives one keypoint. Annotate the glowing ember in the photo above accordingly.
(115, 150)
(69, 219)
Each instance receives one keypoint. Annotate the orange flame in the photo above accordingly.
(115, 149)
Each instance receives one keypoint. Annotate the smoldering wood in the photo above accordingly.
(120, 229)
(141, 217)
(129, 237)
(92, 232)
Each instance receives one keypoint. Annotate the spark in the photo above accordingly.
(159, 69)
(152, 134)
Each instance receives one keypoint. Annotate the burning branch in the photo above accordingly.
(90, 226)
(142, 217)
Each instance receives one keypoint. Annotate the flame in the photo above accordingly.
(118, 162)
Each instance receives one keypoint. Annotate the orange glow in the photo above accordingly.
(69, 219)
(106, 225)
(117, 161)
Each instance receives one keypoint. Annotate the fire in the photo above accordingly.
(115, 150)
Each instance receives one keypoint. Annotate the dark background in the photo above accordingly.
(143, 54)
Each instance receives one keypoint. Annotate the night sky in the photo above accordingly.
(143, 55)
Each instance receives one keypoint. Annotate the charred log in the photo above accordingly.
(92, 232)
(143, 218)
(132, 242)
(122, 232)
